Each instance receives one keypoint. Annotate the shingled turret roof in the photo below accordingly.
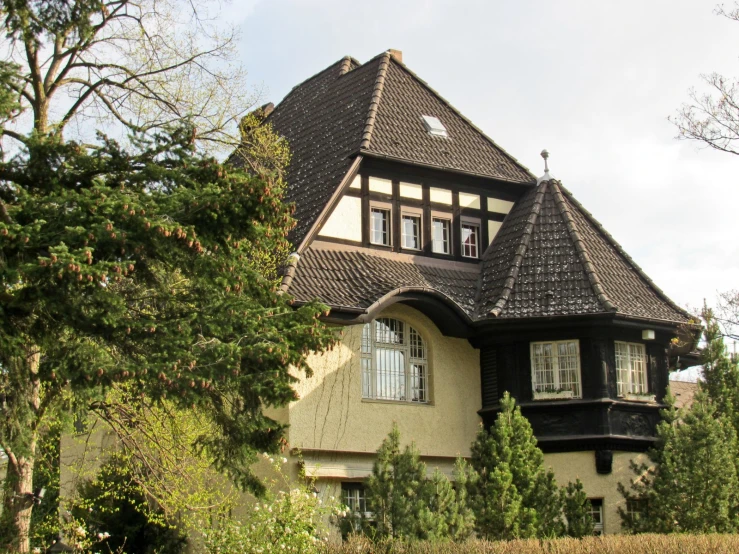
(551, 258)
(374, 109)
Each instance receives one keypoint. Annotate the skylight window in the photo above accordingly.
(434, 126)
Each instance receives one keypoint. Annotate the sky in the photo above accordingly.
(592, 82)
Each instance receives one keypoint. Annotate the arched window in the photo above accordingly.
(394, 362)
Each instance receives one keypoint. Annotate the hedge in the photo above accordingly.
(611, 544)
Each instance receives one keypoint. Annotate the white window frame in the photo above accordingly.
(447, 219)
(388, 209)
(416, 213)
(474, 223)
(631, 368)
(355, 493)
(596, 508)
(413, 382)
(560, 389)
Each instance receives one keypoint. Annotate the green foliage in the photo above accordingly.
(395, 489)
(691, 485)
(45, 518)
(406, 503)
(114, 507)
(577, 510)
(139, 267)
(290, 520)
(720, 379)
(511, 493)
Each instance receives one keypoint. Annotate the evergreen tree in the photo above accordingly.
(395, 490)
(692, 484)
(406, 504)
(577, 510)
(512, 494)
(720, 379)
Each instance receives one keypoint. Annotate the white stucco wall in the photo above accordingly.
(345, 222)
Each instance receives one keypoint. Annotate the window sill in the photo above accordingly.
(639, 397)
(395, 402)
(559, 395)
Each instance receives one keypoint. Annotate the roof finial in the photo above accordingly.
(546, 176)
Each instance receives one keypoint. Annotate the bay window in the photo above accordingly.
(631, 368)
(555, 369)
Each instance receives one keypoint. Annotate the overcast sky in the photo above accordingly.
(593, 82)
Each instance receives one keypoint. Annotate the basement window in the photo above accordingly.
(596, 512)
(434, 126)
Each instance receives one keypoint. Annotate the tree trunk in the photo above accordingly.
(19, 502)
(19, 497)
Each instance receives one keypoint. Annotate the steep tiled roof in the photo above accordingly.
(551, 257)
(347, 278)
(373, 108)
(322, 120)
(399, 132)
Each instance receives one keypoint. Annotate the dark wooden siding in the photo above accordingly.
(489, 376)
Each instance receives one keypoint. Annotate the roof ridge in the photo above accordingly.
(579, 243)
(510, 281)
(375, 100)
(462, 116)
(619, 249)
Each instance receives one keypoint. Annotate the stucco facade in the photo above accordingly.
(332, 422)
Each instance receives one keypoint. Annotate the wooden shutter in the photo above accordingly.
(489, 376)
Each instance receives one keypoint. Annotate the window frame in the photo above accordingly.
(358, 490)
(388, 209)
(446, 218)
(556, 370)
(596, 506)
(416, 213)
(416, 384)
(470, 222)
(623, 389)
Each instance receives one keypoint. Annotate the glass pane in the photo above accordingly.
(389, 331)
(379, 220)
(441, 236)
(390, 376)
(622, 368)
(470, 234)
(411, 232)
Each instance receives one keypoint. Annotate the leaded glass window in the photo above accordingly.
(555, 367)
(631, 368)
(394, 359)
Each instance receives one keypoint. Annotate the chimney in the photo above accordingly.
(397, 55)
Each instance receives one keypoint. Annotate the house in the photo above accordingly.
(455, 275)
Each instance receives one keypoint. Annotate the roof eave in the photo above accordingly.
(370, 154)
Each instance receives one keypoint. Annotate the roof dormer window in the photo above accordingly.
(434, 126)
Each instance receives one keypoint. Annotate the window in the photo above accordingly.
(353, 497)
(380, 226)
(631, 368)
(555, 368)
(394, 362)
(411, 229)
(470, 240)
(596, 512)
(434, 126)
(635, 508)
(442, 231)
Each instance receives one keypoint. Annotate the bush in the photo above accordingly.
(286, 521)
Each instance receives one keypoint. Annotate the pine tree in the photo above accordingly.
(577, 510)
(692, 486)
(395, 490)
(720, 378)
(512, 494)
